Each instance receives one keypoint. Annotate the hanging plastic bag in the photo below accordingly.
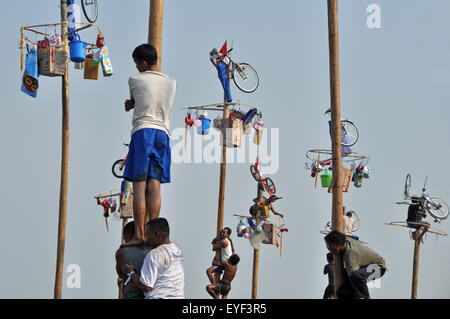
(30, 82)
(258, 126)
(325, 179)
(90, 68)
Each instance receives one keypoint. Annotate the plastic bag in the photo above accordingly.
(30, 83)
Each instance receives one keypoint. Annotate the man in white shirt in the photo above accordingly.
(162, 273)
(348, 223)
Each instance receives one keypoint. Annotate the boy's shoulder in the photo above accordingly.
(149, 74)
(156, 78)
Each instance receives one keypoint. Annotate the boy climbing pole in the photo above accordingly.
(223, 287)
(224, 244)
(261, 208)
(148, 163)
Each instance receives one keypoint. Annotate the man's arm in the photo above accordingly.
(129, 104)
(220, 244)
(275, 212)
(119, 263)
(135, 278)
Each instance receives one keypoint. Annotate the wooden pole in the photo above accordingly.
(64, 159)
(419, 233)
(255, 279)
(336, 147)
(155, 28)
(155, 25)
(223, 174)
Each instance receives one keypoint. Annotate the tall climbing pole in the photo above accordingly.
(336, 147)
(255, 273)
(420, 232)
(64, 158)
(223, 174)
(155, 27)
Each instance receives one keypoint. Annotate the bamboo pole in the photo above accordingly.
(337, 219)
(255, 274)
(155, 22)
(419, 233)
(222, 179)
(223, 174)
(64, 159)
(155, 28)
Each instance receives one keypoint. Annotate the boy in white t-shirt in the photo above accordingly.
(148, 162)
(162, 272)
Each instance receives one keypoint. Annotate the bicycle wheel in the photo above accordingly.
(270, 185)
(255, 173)
(437, 208)
(90, 10)
(245, 77)
(117, 168)
(407, 186)
(349, 133)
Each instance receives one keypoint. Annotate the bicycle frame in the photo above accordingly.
(424, 200)
(232, 66)
(261, 180)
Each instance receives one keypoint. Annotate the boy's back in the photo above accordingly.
(153, 94)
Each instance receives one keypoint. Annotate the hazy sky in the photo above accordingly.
(394, 86)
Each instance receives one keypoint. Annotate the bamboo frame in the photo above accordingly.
(30, 28)
(349, 157)
(404, 224)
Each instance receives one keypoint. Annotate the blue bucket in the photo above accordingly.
(204, 128)
(77, 50)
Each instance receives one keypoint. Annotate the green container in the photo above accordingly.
(325, 179)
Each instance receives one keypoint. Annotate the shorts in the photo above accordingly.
(133, 295)
(222, 288)
(218, 269)
(148, 157)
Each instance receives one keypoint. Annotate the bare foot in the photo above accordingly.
(134, 242)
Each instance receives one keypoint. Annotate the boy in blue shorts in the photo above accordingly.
(148, 161)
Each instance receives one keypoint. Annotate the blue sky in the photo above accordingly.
(394, 86)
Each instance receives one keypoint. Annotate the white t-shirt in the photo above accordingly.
(226, 252)
(153, 94)
(348, 225)
(163, 271)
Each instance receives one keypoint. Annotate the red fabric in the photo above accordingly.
(223, 49)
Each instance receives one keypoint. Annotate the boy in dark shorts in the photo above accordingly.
(224, 286)
(149, 157)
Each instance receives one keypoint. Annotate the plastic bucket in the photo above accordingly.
(204, 128)
(325, 179)
(77, 51)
